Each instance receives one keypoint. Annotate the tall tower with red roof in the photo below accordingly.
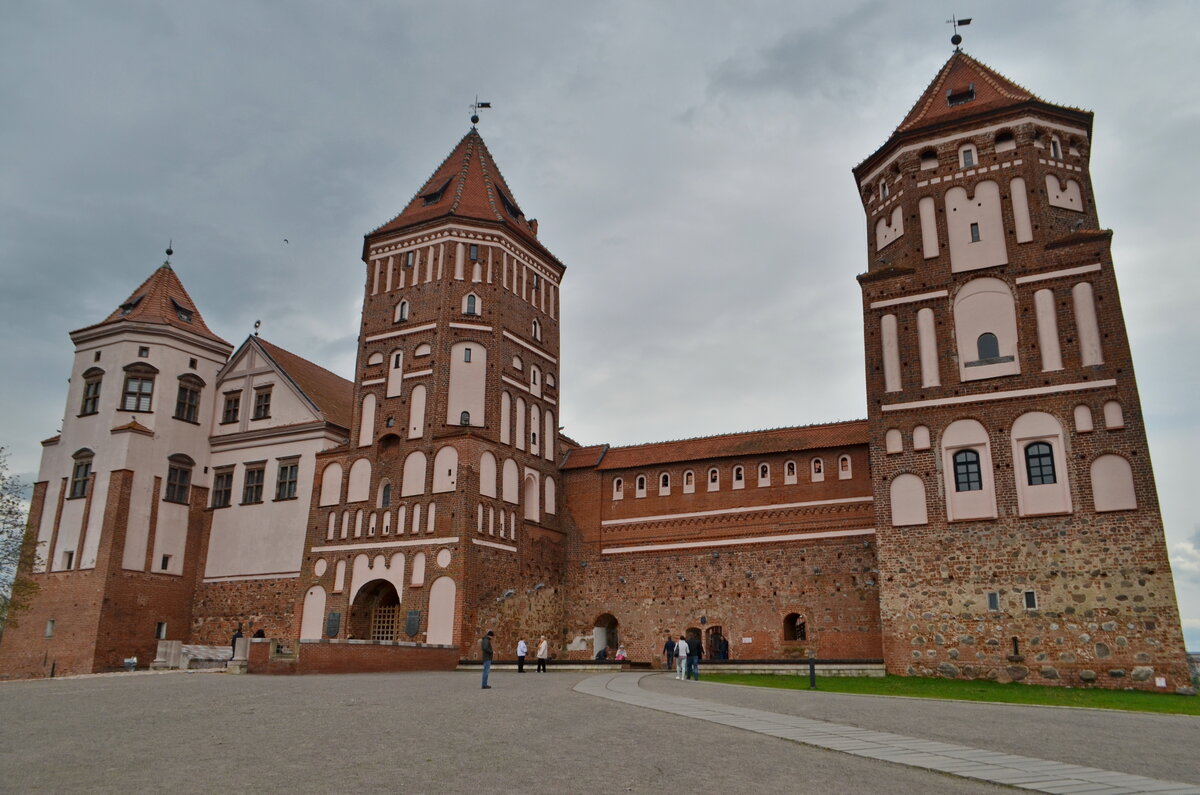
(119, 527)
(439, 518)
(1019, 534)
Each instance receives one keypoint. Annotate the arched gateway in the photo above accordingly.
(374, 615)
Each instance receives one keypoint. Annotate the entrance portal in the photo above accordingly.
(715, 645)
(375, 612)
(604, 636)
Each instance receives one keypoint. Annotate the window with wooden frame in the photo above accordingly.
(179, 478)
(92, 378)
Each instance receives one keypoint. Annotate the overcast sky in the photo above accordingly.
(689, 162)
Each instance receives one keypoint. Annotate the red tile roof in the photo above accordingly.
(749, 443)
(468, 184)
(332, 394)
(584, 457)
(161, 299)
(992, 91)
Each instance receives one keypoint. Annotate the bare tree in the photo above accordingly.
(18, 551)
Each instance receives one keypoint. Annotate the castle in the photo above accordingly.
(994, 515)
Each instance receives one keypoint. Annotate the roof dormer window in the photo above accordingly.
(181, 311)
(960, 96)
(433, 197)
(509, 207)
(129, 307)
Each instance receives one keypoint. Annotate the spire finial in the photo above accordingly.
(170, 251)
(476, 106)
(957, 39)
(257, 326)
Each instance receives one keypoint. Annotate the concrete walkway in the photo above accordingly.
(1023, 772)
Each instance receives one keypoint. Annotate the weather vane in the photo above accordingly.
(957, 39)
(477, 106)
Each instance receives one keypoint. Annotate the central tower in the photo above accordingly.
(443, 505)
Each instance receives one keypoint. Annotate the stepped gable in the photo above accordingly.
(775, 440)
(161, 300)
(468, 184)
(330, 393)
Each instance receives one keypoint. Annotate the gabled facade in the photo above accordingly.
(994, 515)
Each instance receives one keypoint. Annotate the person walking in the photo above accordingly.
(485, 646)
(681, 653)
(522, 650)
(694, 652)
(543, 651)
(669, 652)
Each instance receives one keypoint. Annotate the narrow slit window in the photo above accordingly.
(974, 233)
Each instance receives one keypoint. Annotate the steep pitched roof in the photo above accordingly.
(938, 104)
(161, 299)
(468, 184)
(749, 443)
(330, 393)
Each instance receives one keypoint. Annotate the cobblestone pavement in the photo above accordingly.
(414, 732)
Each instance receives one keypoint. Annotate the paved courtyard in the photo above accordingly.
(439, 732)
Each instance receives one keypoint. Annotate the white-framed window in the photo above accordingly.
(641, 486)
(664, 485)
(993, 601)
(739, 477)
(689, 482)
(1031, 601)
(714, 479)
(1055, 148)
(844, 470)
(618, 489)
(789, 473)
(537, 331)
(764, 474)
(816, 469)
(401, 313)
(967, 156)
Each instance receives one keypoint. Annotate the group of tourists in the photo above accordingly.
(488, 651)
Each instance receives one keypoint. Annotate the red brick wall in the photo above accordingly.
(342, 658)
(1106, 600)
(220, 607)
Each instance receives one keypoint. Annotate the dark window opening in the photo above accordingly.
(988, 346)
(967, 473)
(509, 207)
(181, 311)
(187, 404)
(285, 485)
(81, 475)
(433, 197)
(252, 485)
(960, 96)
(464, 418)
(222, 494)
(233, 404)
(129, 307)
(262, 404)
(974, 227)
(179, 478)
(1039, 464)
(91, 396)
(795, 627)
(473, 252)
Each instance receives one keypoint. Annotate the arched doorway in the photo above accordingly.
(715, 645)
(374, 614)
(604, 635)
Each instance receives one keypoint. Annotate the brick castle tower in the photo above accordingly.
(439, 519)
(1019, 533)
(119, 526)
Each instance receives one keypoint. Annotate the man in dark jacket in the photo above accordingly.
(485, 645)
(669, 650)
(695, 650)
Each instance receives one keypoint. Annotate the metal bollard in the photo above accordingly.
(812, 672)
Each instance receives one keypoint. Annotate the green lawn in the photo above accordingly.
(978, 690)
